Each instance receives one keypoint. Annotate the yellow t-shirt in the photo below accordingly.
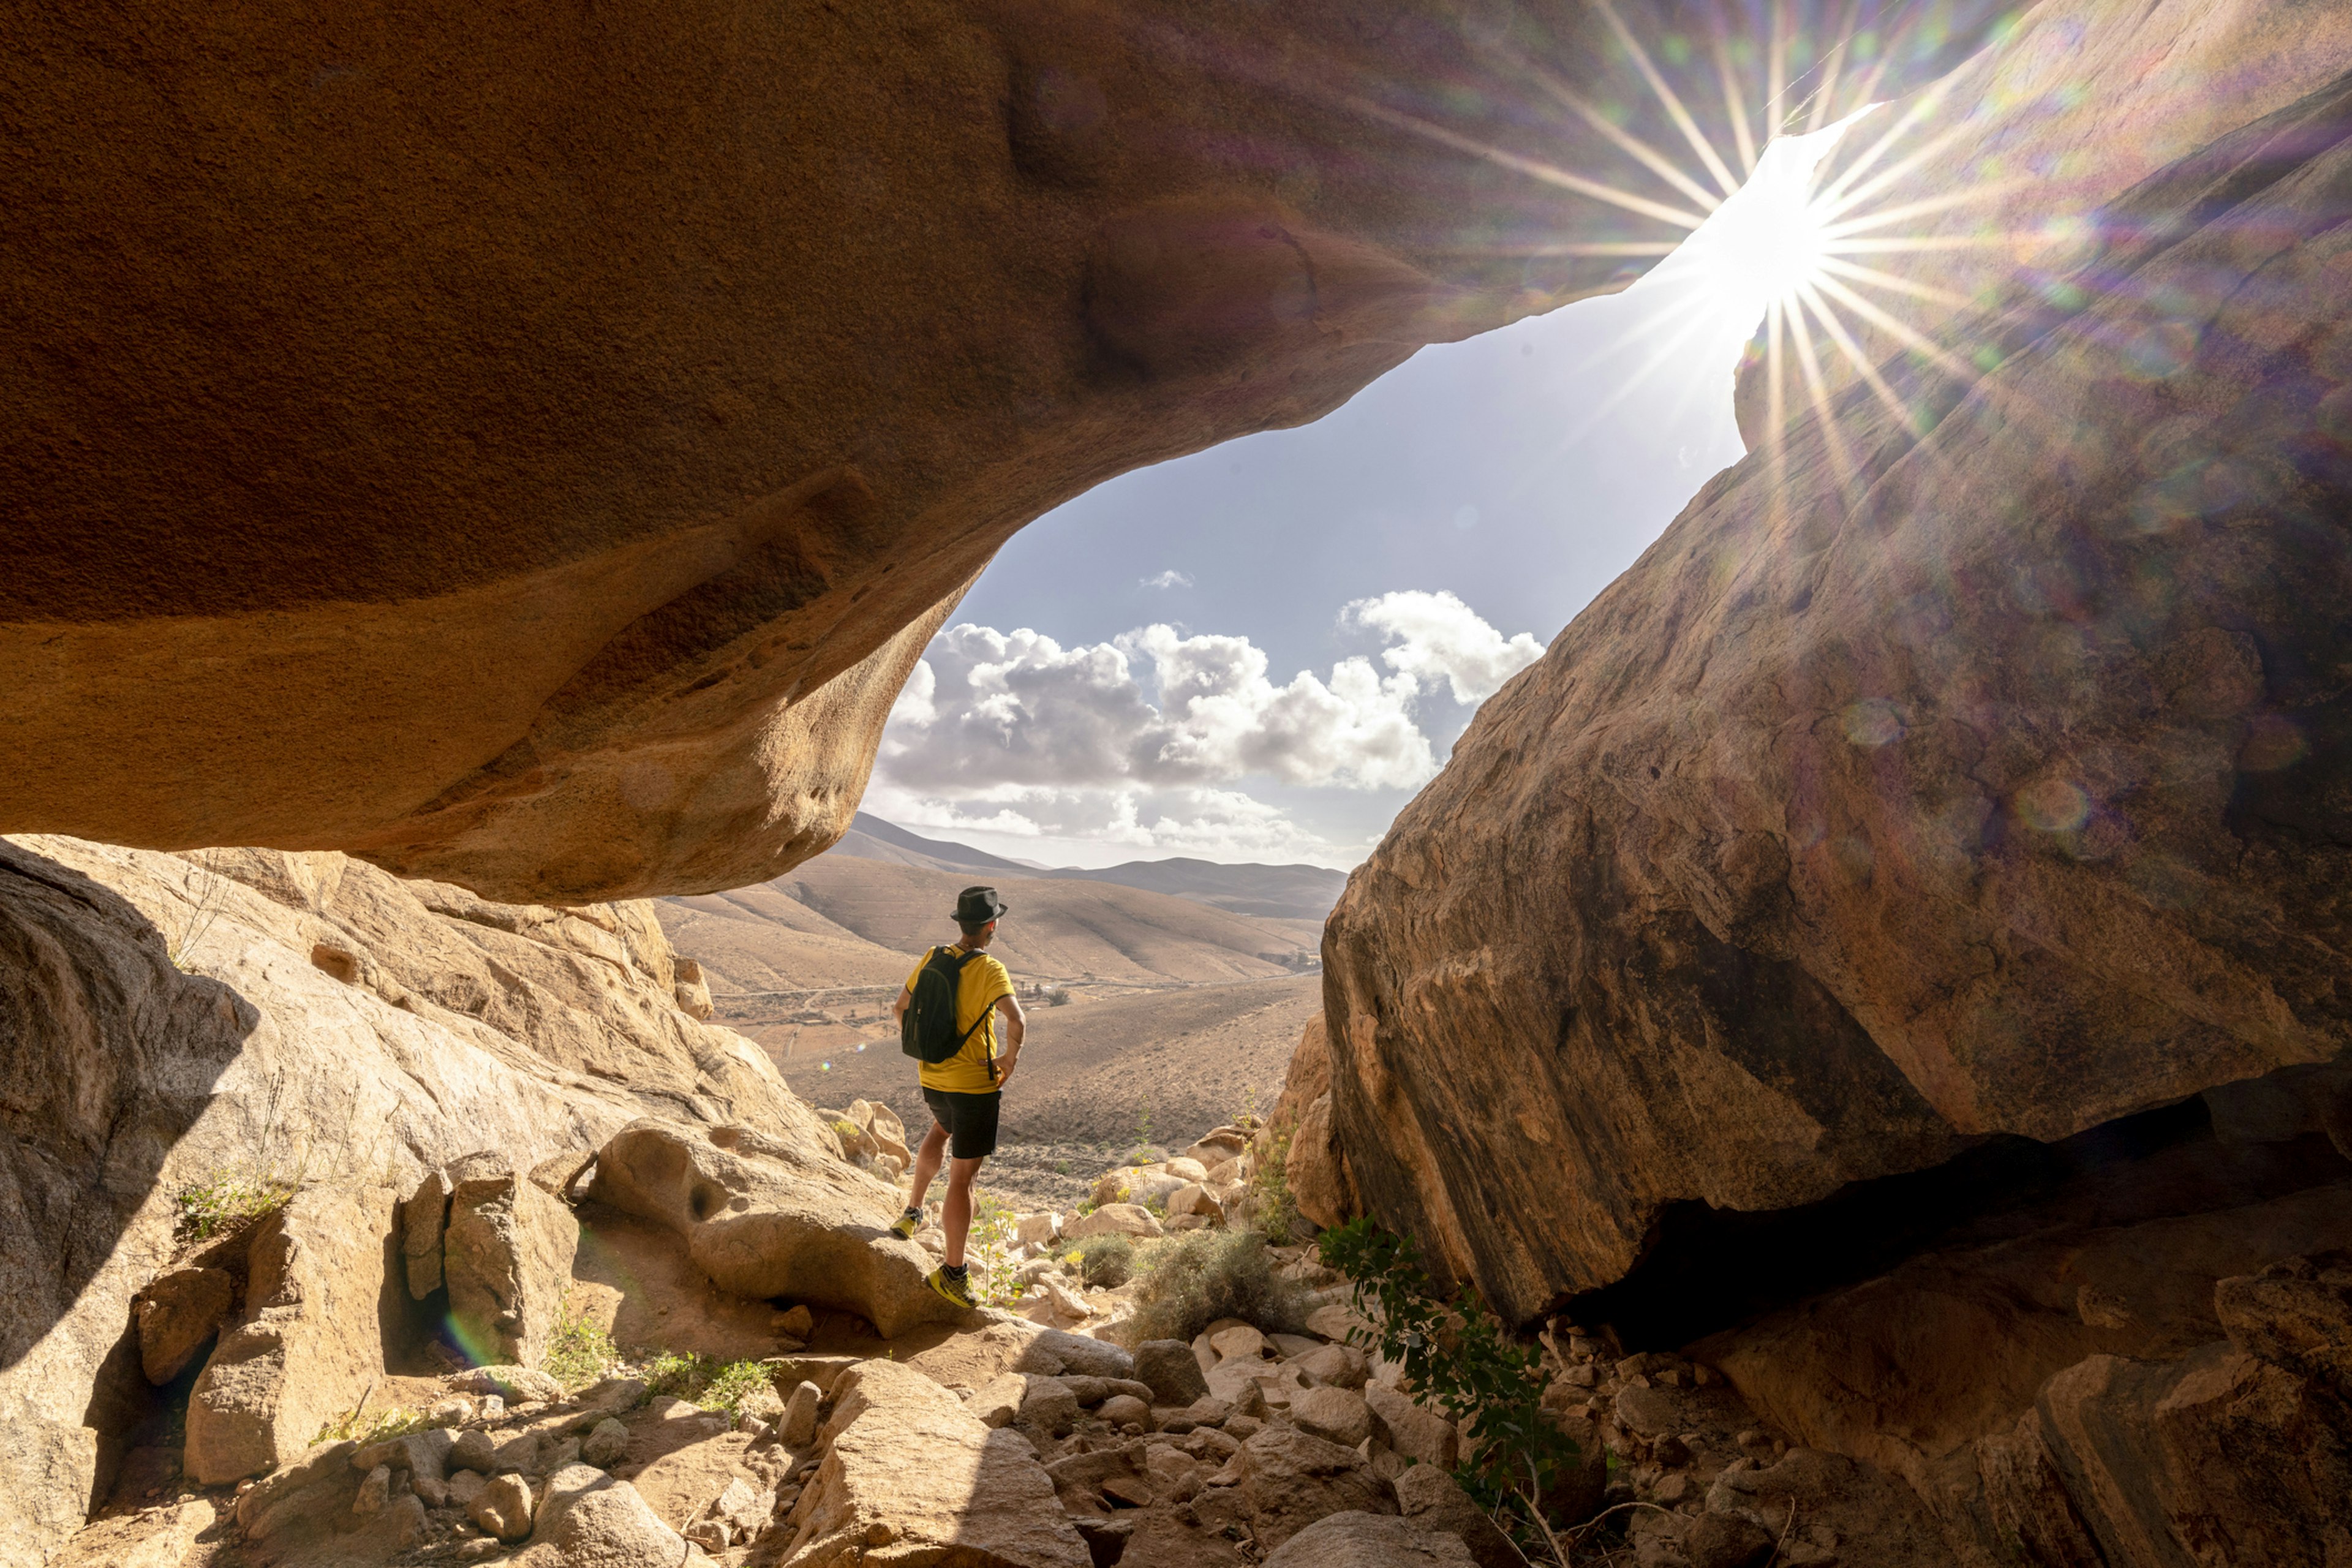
(978, 989)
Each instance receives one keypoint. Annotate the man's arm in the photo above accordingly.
(1008, 1007)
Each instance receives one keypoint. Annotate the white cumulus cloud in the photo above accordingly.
(1171, 578)
(1144, 739)
(1436, 634)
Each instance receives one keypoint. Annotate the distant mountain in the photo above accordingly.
(1278, 892)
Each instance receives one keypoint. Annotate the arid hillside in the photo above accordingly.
(1092, 1071)
(1058, 930)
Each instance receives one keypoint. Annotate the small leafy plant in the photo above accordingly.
(1107, 1262)
(365, 1429)
(706, 1381)
(579, 1352)
(229, 1202)
(1459, 1357)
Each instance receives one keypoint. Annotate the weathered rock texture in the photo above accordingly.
(764, 1218)
(546, 446)
(908, 1474)
(506, 1258)
(1985, 776)
(325, 1024)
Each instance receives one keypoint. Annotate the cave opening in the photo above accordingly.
(1704, 1269)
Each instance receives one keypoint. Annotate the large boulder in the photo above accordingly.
(764, 1218)
(310, 1345)
(909, 1475)
(1373, 1541)
(1888, 767)
(506, 1256)
(741, 436)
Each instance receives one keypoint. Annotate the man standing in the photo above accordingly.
(963, 1089)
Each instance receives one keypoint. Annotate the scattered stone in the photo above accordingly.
(1238, 1342)
(472, 1450)
(503, 1508)
(551, 1460)
(1337, 1415)
(1116, 1219)
(1334, 1321)
(177, 1314)
(375, 1490)
(319, 1484)
(798, 1423)
(1289, 1480)
(1037, 1229)
(1125, 1409)
(1431, 1498)
(1171, 1371)
(518, 1453)
(1418, 1434)
(1107, 1538)
(908, 1469)
(423, 1453)
(1725, 1540)
(797, 1323)
(607, 1445)
(1339, 1366)
(1048, 1406)
(616, 1394)
(465, 1486)
(403, 1523)
(1360, 1540)
(590, 1520)
(516, 1382)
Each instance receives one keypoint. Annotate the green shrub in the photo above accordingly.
(1105, 1262)
(371, 1428)
(706, 1381)
(670, 1372)
(229, 1202)
(1212, 1274)
(1459, 1357)
(730, 1385)
(1277, 1212)
(579, 1352)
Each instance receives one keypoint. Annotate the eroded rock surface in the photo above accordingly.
(766, 1218)
(909, 1474)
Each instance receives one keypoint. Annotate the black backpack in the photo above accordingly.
(927, 1030)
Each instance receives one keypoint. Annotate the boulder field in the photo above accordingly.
(530, 453)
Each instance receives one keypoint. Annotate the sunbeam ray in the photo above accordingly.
(1735, 105)
(1633, 147)
(1532, 168)
(1889, 281)
(1665, 96)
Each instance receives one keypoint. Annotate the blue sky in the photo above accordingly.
(1466, 506)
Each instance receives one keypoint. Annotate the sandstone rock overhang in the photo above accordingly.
(531, 452)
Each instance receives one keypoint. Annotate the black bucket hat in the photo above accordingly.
(977, 906)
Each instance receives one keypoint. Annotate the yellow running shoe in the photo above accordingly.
(956, 1290)
(907, 1223)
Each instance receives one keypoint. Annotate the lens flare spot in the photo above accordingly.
(2272, 742)
(1873, 722)
(2053, 806)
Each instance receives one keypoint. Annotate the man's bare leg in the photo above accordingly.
(957, 1218)
(926, 1165)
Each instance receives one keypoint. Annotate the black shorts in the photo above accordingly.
(969, 1119)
